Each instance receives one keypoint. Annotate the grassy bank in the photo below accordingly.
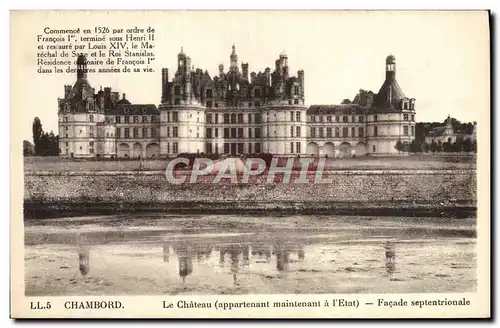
(414, 162)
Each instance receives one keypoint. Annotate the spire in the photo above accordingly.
(234, 59)
(234, 50)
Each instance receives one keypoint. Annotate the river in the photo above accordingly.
(175, 254)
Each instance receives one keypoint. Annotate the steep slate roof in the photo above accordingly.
(81, 90)
(388, 97)
(347, 109)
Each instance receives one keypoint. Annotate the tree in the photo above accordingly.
(28, 148)
(37, 136)
(400, 146)
(467, 145)
(416, 146)
(434, 146)
(345, 102)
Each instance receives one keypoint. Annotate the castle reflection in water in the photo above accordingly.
(236, 256)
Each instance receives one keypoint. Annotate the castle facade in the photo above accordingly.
(235, 112)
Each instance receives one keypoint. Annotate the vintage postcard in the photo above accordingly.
(250, 164)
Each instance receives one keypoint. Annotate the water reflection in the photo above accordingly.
(237, 258)
(390, 258)
(83, 260)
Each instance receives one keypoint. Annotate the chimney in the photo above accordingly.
(252, 77)
(244, 70)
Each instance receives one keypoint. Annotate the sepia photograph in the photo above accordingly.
(196, 155)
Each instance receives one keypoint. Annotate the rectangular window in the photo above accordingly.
(175, 132)
(136, 132)
(328, 132)
(257, 134)
(240, 133)
(250, 132)
(216, 132)
(360, 119)
(209, 104)
(168, 116)
(226, 148)
(337, 132)
(345, 132)
(226, 118)
(313, 132)
(329, 119)
(413, 130)
(321, 119)
(297, 131)
(258, 118)
(240, 118)
(313, 119)
(127, 119)
(144, 132)
(297, 116)
(257, 147)
(226, 132)
(136, 119)
(127, 133)
(375, 130)
(233, 132)
(144, 119)
(175, 116)
(168, 147)
(153, 119)
(345, 119)
(296, 101)
(216, 118)
(321, 133)
(353, 119)
(233, 118)
(361, 132)
(291, 117)
(175, 147)
(257, 104)
(209, 133)
(91, 118)
(291, 147)
(291, 131)
(65, 119)
(249, 148)
(249, 118)
(240, 148)
(375, 118)
(209, 118)
(168, 132)
(353, 132)
(153, 132)
(337, 119)
(118, 133)
(405, 117)
(296, 93)
(405, 130)
(297, 148)
(208, 147)
(177, 90)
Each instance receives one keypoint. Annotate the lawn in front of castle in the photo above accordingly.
(412, 162)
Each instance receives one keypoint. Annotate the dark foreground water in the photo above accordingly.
(160, 254)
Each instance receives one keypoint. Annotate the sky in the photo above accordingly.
(442, 58)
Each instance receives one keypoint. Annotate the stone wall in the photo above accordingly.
(363, 187)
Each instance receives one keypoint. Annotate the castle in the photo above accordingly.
(235, 112)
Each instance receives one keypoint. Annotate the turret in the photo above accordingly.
(234, 60)
(81, 67)
(390, 68)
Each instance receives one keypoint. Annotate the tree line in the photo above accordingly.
(44, 143)
(422, 129)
